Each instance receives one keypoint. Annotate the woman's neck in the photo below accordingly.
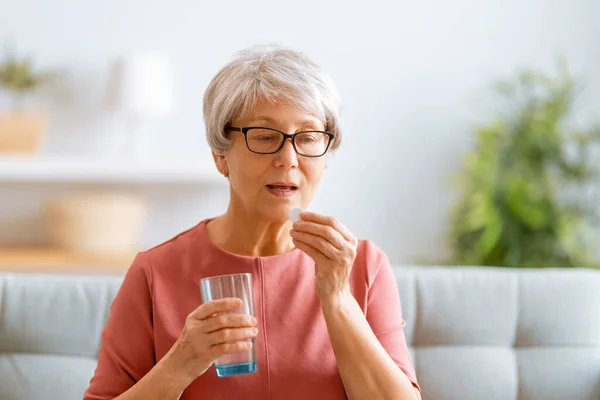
(247, 235)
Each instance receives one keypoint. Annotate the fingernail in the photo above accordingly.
(254, 331)
(253, 320)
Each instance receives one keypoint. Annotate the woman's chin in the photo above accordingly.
(279, 214)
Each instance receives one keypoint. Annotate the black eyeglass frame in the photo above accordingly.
(286, 136)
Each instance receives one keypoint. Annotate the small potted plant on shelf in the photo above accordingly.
(21, 130)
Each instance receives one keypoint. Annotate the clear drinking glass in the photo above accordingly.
(240, 286)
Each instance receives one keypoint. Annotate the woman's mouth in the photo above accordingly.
(282, 190)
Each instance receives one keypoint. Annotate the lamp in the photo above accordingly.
(141, 89)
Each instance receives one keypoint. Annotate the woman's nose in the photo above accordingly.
(287, 156)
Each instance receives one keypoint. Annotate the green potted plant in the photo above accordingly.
(21, 130)
(524, 191)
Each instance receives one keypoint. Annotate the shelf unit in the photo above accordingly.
(44, 169)
(50, 260)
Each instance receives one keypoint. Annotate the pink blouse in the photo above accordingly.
(295, 357)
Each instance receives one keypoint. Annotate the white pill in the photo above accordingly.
(295, 214)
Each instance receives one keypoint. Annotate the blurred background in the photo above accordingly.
(103, 148)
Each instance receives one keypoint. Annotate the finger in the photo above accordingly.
(230, 348)
(231, 335)
(228, 321)
(313, 253)
(211, 308)
(330, 221)
(317, 242)
(325, 231)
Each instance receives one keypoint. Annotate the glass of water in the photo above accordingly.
(239, 286)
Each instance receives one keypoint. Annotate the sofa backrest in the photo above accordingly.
(474, 333)
(505, 334)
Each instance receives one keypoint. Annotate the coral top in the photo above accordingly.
(295, 357)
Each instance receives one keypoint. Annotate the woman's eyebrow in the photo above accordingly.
(263, 119)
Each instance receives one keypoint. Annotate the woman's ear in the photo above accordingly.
(221, 164)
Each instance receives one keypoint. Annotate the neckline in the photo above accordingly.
(206, 238)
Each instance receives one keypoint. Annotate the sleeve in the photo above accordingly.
(127, 341)
(384, 314)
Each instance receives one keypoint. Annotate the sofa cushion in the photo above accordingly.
(559, 308)
(54, 313)
(467, 372)
(466, 306)
(559, 372)
(35, 376)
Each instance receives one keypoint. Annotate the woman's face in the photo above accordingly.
(269, 185)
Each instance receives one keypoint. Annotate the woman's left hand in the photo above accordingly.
(333, 248)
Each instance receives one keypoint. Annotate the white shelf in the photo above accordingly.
(40, 169)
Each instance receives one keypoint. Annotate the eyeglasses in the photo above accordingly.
(269, 141)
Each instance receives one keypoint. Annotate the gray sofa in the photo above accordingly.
(475, 333)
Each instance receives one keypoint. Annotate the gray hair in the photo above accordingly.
(272, 73)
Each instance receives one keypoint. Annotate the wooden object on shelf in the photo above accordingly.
(53, 260)
(21, 132)
(95, 222)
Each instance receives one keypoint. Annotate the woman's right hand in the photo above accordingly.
(211, 331)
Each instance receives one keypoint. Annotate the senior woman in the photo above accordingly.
(328, 317)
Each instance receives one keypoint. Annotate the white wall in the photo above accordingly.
(414, 77)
